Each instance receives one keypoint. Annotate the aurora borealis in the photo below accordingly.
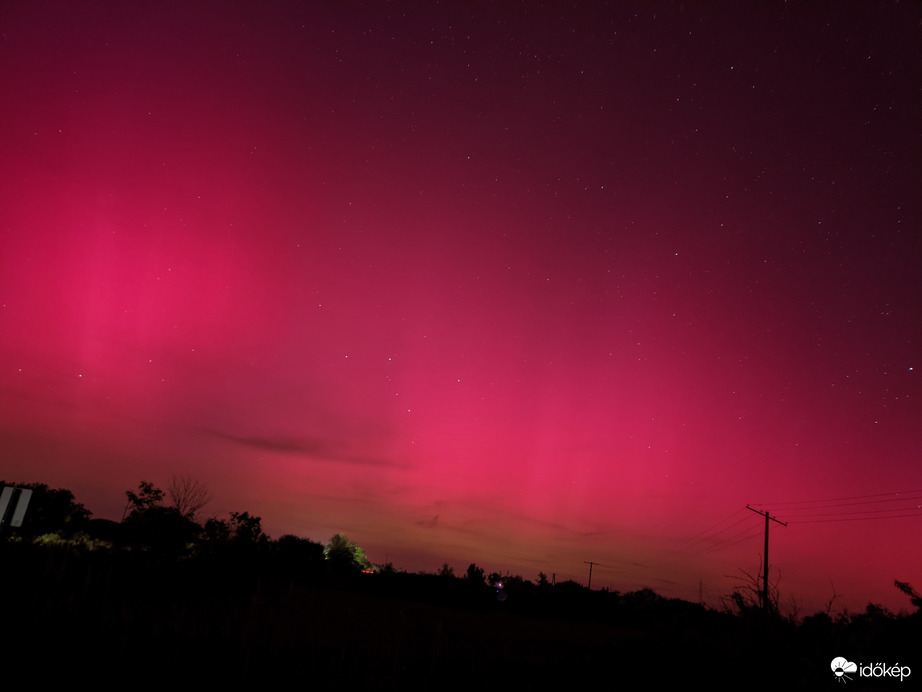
(521, 284)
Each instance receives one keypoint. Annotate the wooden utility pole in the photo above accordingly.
(590, 563)
(766, 605)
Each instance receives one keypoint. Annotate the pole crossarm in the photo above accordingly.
(767, 515)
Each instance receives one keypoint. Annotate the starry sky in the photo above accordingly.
(522, 284)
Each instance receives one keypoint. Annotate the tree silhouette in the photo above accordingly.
(160, 529)
(216, 531)
(148, 496)
(188, 496)
(148, 525)
(345, 554)
(907, 589)
(245, 528)
(297, 556)
(474, 574)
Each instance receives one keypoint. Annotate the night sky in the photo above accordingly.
(521, 284)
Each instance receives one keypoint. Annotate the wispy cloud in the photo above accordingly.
(315, 447)
(430, 523)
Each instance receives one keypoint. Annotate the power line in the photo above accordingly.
(918, 515)
(822, 512)
(714, 526)
(725, 534)
(750, 535)
(839, 499)
(893, 505)
(701, 544)
(726, 528)
(690, 545)
(701, 538)
(861, 511)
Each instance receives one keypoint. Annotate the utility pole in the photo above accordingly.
(765, 602)
(590, 563)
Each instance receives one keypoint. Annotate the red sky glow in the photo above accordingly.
(518, 284)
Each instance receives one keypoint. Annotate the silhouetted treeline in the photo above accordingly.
(221, 603)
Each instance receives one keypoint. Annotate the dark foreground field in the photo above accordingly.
(127, 620)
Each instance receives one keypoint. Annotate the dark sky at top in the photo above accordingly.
(525, 284)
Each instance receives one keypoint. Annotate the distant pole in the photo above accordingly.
(765, 602)
(590, 563)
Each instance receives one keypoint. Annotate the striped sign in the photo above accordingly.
(15, 500)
